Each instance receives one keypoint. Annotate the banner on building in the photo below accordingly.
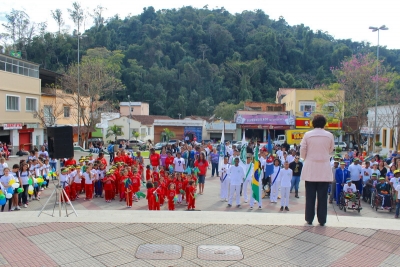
(265, 119)
(12, 126)
(306, 123)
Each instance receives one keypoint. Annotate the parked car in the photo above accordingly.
(173, 142)
(342, 145)
(137, 143)
(158, 146)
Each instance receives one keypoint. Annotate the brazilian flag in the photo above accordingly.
(255, 182)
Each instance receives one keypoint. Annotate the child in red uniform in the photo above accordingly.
(128, 195)
(155, 176)
(150, 196)
(171, 195)
(108, 188)
(179, 186)
(136, 181)
(148, 173)
(191, 199)
(123, 175)
(161, 191)
(187, 186)
(88, 176)
(157, 196)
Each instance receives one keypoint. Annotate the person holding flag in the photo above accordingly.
(275, 181)
(236, 174)
(256, 184)
(249, 171)
(224, 178)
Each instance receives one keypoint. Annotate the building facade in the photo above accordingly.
(20, 91)
(134, 108)
(181, 128)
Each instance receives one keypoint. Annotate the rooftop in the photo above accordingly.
(132, 103)
(149, 119)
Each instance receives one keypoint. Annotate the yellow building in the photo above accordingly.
(302, 103)
(20, 92)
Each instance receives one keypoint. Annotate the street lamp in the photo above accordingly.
(377, 29)
(179, 114)
(79, 36)
(129, 120)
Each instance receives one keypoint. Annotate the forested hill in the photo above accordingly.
(189, 60)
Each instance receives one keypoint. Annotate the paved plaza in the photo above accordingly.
(108, 234)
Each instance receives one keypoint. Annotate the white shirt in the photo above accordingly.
(290, 158)
(352, 188)
(395, 181)
(179, 163)
(398, 190)
(43, 154)
(45, 169)
(225, 172)
(276, 170)
(236, 174)
(87, 178)
(2, 166)
(366, 173)
(77, 177)
(248, 172)
(355, 171)
(285, 177)
(279, 153)
(63, 178)
(24, 177)
(5, 179)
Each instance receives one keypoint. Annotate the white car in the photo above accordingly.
(342, 145)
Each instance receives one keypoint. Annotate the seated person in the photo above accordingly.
(369, 185)
(350, 190)
(383, 190)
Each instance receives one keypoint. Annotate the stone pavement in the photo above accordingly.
(108, 234)
(112, 238)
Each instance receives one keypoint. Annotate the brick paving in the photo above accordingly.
(116, 244)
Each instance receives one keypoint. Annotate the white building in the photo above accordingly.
(387, 126)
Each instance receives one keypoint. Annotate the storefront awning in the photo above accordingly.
(261, 127)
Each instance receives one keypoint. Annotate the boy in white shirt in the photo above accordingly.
(179, 163)
(275, 181)
(285, 177)
(366, 173)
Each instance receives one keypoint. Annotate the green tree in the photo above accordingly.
(135, 134)
(115, 131)
(168, 134)
(227, 111)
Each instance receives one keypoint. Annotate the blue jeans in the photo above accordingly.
(397, 208)
(214, 168)
(295, 183)
(53, 166)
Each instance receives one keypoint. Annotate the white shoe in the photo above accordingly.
(18, 208)
(25, 206)
(12, 208)
(33, 198)
(245, 201)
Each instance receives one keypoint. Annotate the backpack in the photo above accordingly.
(110, 148)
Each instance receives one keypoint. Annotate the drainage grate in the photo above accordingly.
(219, 253)
(159, 252)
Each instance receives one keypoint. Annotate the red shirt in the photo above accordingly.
(179, 185)
(148, 175)
(69, 162)
(202, 165)
(103, 161)
(169, 161)
(171, 195)
(156, 177)
(135, 183)
(155, 159)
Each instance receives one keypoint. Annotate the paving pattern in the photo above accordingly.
(116, 244)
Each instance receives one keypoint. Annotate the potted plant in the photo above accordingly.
(135, 147)
(338, 149)
(378, 147)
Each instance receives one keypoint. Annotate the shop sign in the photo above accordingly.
(32, 125)
(12, 126)
(306, 123)
(297, 135)
(265, 119)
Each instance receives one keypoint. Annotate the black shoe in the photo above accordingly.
(296, 196)
(229, 205)
(322, 224)
(281, 208)
(238, 206)
(309, 223)
(287, 208)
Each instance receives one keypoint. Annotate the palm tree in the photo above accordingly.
(114, 130)
(168, 134)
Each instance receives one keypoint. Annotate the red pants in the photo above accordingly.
(72, 194)
(150, 203)
(161, 199)
(187, 196)
(67, 190)
(171, 205)
(122, 191)
(78, 188)
(83, 185)
(89, 191)
(108, 194)
(156, 205)
(129, 196)
(192, 201)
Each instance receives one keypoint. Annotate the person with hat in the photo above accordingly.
(383, 190)
(333, 185)
(369, 184)
(341, 176)
(108, 188)
(355, 170)
(350, 190)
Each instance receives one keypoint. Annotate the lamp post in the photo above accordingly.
(179, 114)
(129, 120)
(79, 36)
(377, 29)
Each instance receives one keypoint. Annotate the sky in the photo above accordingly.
(343, 19)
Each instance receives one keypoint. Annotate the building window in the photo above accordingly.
(66, 111)
(384, 137)
(149, 131)
(12, 103)
(391, 139)
(31, 104)
(307, 106)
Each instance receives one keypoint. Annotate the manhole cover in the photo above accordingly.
(219, 253)
(159, 252)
